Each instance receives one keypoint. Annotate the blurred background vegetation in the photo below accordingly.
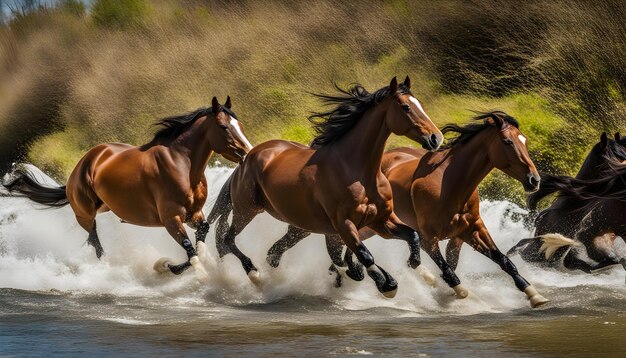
(75, 74)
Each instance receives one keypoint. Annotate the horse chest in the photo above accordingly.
(368, 205)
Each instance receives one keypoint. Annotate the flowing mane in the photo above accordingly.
(173, 126)
(351, 104)
(469, 130)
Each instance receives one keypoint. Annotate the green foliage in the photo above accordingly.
(74, 7)
(558, 67)
(120, 13)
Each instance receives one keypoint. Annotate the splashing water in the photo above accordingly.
(45, 249)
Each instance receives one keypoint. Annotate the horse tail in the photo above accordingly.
(25, 183)
(553, 242)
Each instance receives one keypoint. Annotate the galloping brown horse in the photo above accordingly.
(436, 194)
(579, 223)
(335, 186)
(160, 183)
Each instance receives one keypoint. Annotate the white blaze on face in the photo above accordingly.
(418, 105)
(522, 139)
(235, 124)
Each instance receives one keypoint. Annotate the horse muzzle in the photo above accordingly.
(532, 183)
(431, 141)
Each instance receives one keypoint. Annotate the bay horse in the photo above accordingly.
(436, 194)
(336, 185)
(576, 222)
(160, 183)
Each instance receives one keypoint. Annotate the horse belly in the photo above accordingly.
(295, 205)
(123, 189)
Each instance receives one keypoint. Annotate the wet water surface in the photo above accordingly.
(57, 298)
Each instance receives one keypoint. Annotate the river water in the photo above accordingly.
(57, 298)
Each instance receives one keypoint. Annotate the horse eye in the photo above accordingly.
(223, 126)
(507, 141)
(406, 108)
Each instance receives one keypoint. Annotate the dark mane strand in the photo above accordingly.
(350, 104)
(469, 130)
(173, 126)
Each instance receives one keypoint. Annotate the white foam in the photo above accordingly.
(45, 249)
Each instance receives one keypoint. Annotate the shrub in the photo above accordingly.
(120, 13)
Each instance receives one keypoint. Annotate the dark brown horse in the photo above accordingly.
(576, 222)
(335, 186)
(436, 194)
(160, 183)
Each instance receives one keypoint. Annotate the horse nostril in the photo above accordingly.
(533, 181)
(434, 142)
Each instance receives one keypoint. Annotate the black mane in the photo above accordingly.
(173, 126)
(469, 130)
(616, 152)
(351, 104)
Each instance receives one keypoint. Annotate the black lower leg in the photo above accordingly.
(232, 248)
(384, 281)
(447, 273)
(412, 238)
(94, 241)
(191, 252)
(355, 269)
(293, 236)
(202, 231)
(509, 267)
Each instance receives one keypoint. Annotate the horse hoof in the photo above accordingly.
(255, 277)
(460, 291)
(201, 273)
(427, 276)
(535, 298)
(390, 294)
(162, 265)
(538, 300)
(273, 260)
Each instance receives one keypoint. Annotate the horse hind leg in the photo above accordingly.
(226, 244)
(293, 236)
(89, 224)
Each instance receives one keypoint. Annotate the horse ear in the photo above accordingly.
(393, 86)
(497, 120)
(228, 104)
(604, 139)
(617, 137)
(215, 106)
(407, 82)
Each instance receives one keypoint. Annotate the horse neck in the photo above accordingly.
(194, 144)
(362, 147)
(466, 165)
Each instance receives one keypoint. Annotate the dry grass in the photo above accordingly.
(69, 82)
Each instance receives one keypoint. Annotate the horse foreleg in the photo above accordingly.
(447, 273)
(175, 228)
(478, 237)
(393, 228)
(345, 266)
(201, 226)
(385, 283)
(293, 236)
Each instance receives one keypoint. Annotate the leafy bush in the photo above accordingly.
(120, 13)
